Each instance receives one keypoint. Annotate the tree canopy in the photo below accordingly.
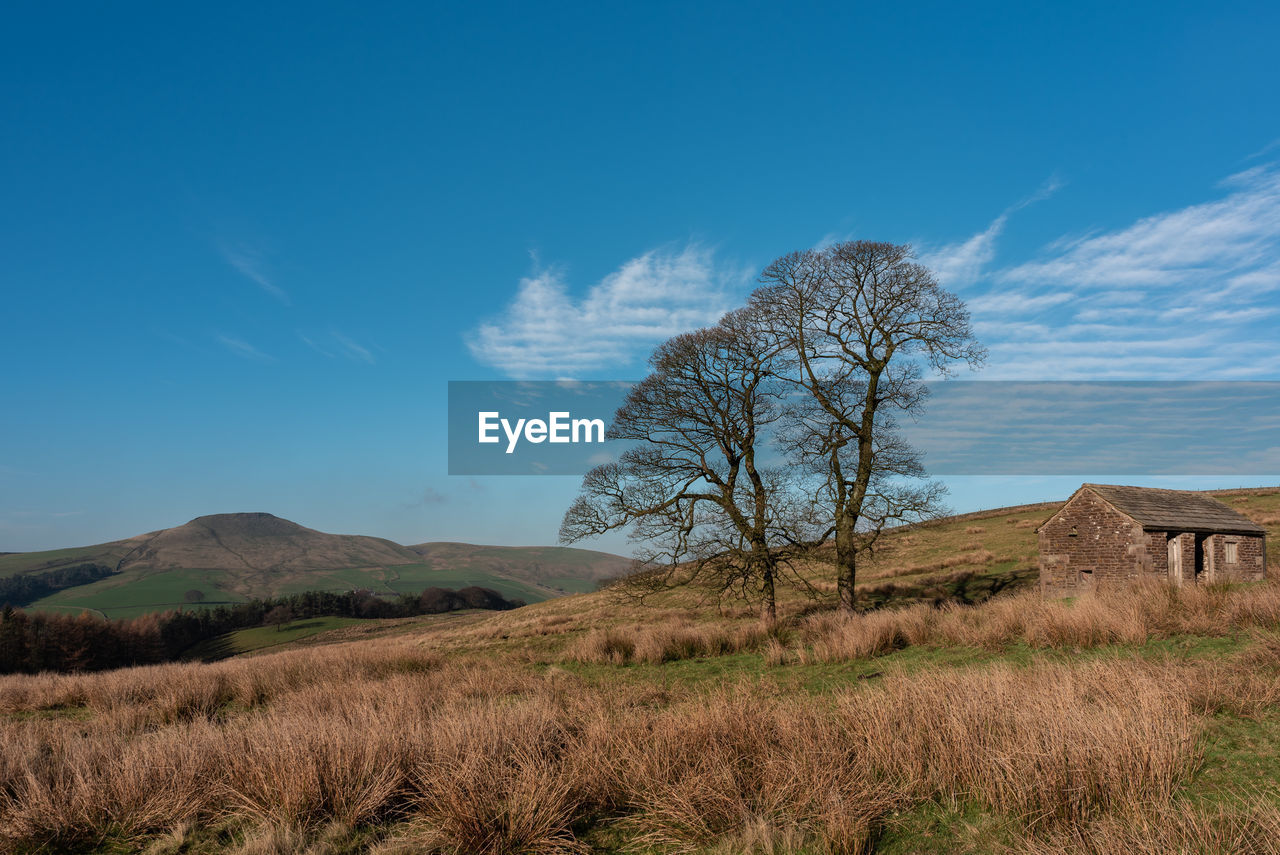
(757, 439)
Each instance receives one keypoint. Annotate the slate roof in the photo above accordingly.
(1175, 510)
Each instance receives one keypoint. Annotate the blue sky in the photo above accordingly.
(243, 249)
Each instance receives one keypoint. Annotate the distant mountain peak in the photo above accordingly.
(248, 524)
(255, 554)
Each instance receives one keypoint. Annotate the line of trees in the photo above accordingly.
(39, 641)
(776, 431)
(24, 588)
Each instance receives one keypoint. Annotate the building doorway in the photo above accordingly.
(1201, 575)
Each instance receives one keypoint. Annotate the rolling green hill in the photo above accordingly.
(557, 567)
(235, 557)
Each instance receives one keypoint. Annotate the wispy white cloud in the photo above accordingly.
(248, 262)
(313, 344)
(352, 349)
(1190, 292)
(1014, 302)
(1265, 150)
(334, 344)
(963, 262)
(242, 348)
(545, 332)
(1212, 240)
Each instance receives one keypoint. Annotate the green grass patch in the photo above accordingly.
(263, 637)
(65, 713)
(21, 562)
(412, 578)
(138, 592)
(131, 593)
(1241, 757)
(345, 579)
(571, 585)
(827, 677)
(933, 827)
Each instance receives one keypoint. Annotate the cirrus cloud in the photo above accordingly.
(1189, 292)
(546, 332)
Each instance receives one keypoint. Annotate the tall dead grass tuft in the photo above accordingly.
(495, 780)
(1252, 828)
(664, 642)
(62, 791)
(301, 772)
(750, 772)
(603, 647)
(839, 636)
(1123, 616)
(1050, 745)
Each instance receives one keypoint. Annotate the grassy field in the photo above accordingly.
(22, 562)
(137, 592)
(264, 637)
(1147, 723)
(1140, 721)
(412, 578)
(570, 585)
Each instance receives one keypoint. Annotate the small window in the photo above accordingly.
(1074, 533)
(1232, 550)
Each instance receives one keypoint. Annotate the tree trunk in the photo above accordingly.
(769, 613)
(846, 560)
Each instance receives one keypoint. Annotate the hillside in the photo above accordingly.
(1143, 721)
(235, 557)
(559, 567)
(966, 558)
(260, 543)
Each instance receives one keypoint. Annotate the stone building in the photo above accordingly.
(1107, 534)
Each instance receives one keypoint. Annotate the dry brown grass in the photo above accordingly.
(1251, 829)
(974, 556)
(668, 641)
(470, 738)
(1131, 616)
(745, 770)
(482, 757)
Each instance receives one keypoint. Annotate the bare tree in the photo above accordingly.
(859, 322)
(694, 488)
(278, 616)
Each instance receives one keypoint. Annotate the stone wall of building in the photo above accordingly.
(1089, 543)
(1249, 564)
